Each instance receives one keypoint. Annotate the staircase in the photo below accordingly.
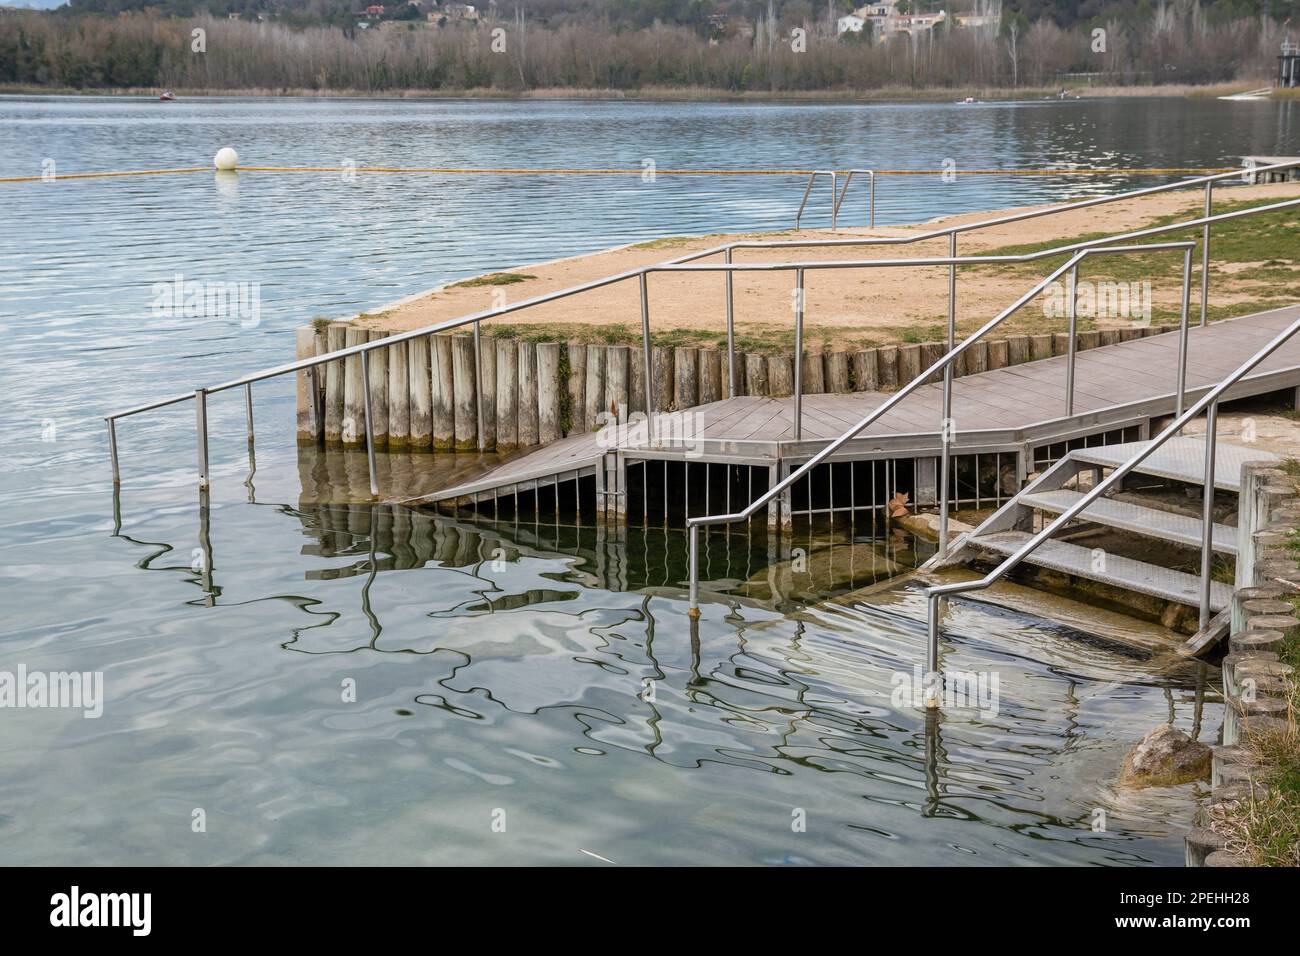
(1145, 510)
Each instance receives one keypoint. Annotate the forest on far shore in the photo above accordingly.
(756, 46)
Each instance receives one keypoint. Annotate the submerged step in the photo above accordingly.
(1149, 522)
(1121, 572)
(1179, 459)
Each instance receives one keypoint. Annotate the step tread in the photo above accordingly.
(1179, 459)
(1127, 573)
(1127, 516)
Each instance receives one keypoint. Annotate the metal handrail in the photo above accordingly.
(871, 194)
(812, 178)
(944, 364)
(1209, 404)
(199, 395)
(837, 194)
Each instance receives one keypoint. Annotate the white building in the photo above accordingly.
(851, 23)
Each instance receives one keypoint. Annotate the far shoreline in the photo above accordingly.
(690, 94)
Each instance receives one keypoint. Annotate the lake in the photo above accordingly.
(349, 684)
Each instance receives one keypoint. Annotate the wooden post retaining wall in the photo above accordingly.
(424, 392)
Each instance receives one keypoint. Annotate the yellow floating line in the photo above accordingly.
(131, 172)
(509, 171)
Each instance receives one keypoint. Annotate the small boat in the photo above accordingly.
(969, 99)
(167, 96)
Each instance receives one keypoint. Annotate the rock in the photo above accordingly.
(1164, 758)
(927, 525)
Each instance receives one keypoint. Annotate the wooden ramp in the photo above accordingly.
(1018, 410)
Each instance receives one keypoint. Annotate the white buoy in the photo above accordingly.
(226, 159)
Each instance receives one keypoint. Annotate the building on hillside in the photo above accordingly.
(850, 23)
(460, 11)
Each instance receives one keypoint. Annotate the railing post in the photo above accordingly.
(945, 432)
(370, 438)
(1205, 253)
(1072, 309)
(693, 610)
(478, 388)
(650, 391)
(835, 195)
(932, 685)
(1182, 331)
(871, 194)
(112, 449)
(248, 411)
(798, 354)
(201, 428)
(731, 331)
(1207, 510)
(804, 202)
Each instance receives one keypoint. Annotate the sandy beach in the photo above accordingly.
(864, 307)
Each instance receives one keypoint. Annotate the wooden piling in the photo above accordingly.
(464, 379)
(617, 397)
(507, 394)
(354, 407)
(636, 379)
(887, 361)
(1090, 339)
(443, 393)
(932, 352)
(1110, 336)
(1017, 349)
(998, 354)
(837, 371)
(335, 339)
(909, 363)
(711, 389)
(488, 385)
(755, 374)
(1040, 346)
(686, 377)
(664, 386)
(780, 376)
(742, 376)
(419, 374)
(594, 400)
(528, 423)
(548, 392)
(814, 373)
(577, 387)
(977, 358)
(378, 362)
(866, 371)
(308, 427)
(399, 396)
(1060, 343)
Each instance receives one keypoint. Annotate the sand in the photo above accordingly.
(860, 306)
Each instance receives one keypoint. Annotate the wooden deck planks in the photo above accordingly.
(1011, 398)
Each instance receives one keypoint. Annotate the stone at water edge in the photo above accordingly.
(1164, 758)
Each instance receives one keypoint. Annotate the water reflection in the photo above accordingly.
(569, 643)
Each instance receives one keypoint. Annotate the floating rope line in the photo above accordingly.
(509, 171)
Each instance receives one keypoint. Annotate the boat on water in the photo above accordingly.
(167, 96)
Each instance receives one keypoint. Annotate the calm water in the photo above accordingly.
(500, 673)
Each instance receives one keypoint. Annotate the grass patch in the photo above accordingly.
(494, 278)
(1265, 827)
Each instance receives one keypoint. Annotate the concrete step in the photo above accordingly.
(1179, 459)
(1148, 522)
(1121, 572)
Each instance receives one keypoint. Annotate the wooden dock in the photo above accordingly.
(1018, 411)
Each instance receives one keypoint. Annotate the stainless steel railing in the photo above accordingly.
(944, 365)
(1209, 404)
(310, 365)
(837, 194)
